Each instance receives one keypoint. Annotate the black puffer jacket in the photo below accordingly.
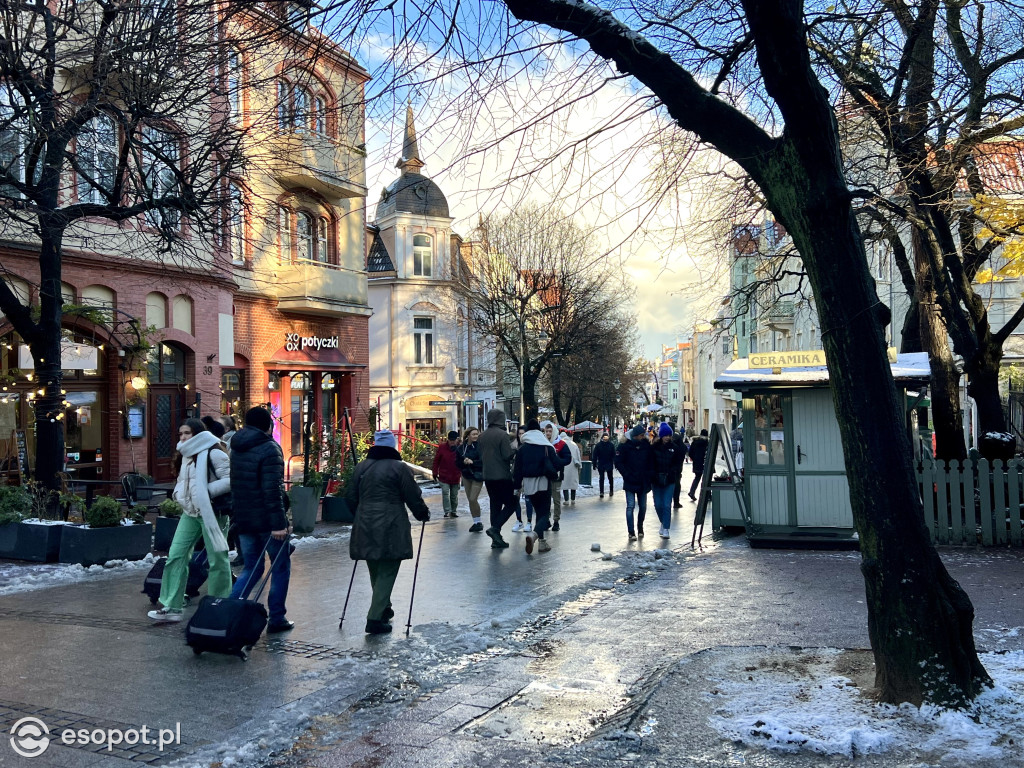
(472, 452)
(603, 455)
(634, 462)
(257, 483)
(529, 462)
(698, 452)
(667, 464)
(378, 493)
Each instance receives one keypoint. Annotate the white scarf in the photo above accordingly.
(199, 446)
(535, 437)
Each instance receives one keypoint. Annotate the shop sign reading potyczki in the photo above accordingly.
(295, 342)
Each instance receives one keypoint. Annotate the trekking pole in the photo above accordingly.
(344, 610)
(415, 570)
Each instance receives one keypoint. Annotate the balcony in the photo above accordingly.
(782, 315)
(318, 163)
(311, 288)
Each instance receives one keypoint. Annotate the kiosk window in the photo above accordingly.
(769, 430)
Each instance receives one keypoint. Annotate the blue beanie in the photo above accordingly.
(665, 430)
(385, 437)
(636, 431)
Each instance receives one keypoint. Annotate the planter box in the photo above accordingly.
(95, 546)
(305, 502)
(336, 510)
(165, 528)
(30, 541)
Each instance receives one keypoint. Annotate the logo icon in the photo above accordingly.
(30, 737)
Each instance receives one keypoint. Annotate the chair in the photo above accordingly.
(133, 494)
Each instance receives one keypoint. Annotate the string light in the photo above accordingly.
(29, 376)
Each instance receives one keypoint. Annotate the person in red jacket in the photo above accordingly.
(447, 473)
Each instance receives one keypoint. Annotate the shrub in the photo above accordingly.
(105, 512)
(138, 513)
(170, 508)
(15, 504)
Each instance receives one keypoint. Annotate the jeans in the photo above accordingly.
(697, 475)
(473, 488)
(639, 500)
(252, 571)
(600, 481)
(663, 504)
(541, 502)
(172, 586)
(503, 501)
(382, 580)
(529, 510)
(450, 497)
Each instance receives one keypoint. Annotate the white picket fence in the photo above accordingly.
(976, 503)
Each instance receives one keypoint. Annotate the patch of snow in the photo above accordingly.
(28, 578)
(37, 521)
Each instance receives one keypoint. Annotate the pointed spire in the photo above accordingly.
(410, 161)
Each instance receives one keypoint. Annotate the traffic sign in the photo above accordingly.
(445, 402)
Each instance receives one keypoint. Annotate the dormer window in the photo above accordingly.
(422, 256)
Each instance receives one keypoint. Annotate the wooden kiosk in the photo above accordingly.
(794, 478)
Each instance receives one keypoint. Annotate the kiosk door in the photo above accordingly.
(820, 489)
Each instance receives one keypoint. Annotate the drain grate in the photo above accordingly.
(308, 650)
(79, 620)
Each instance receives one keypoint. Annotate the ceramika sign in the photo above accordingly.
(295, 342)
(806, 359)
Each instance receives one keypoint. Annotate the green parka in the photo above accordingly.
(380, 490)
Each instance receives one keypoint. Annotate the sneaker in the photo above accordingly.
(375, 627)
(165, 616)
(572, 503)
(640, 532)
(454, 515)
(677, 505)
(447, 515)
(664, 534)
(632, 537)
(527, 527)
(517, 528)
(496, 541)
(476, 527)
(543, 546)
(556, 526)
(529, 543)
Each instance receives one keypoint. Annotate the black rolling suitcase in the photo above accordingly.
(228, 625)
(198, 571)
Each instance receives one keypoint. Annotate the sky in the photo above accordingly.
(490, 148)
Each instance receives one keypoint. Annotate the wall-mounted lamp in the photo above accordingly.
(138, 382)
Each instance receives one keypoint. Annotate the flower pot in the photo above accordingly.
(305, 501)
(95, 546)
(38, 542)
(165, 528)
(336, 510)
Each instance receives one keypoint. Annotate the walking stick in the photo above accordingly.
(349, 594)
(415, 570)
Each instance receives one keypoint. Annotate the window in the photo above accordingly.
(96, 148)
(236, 224)
(423, 340)
(297, 16)
(13, 141)
(304, 237)
(234, 86)
(301, 108)
(422, 256)
(321, 240)
(160, 153)
(167, 364)
(769, 430)
(284, 106)
(319, 116)
(284, 233)
(307, 238)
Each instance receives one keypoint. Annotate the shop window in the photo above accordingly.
(423, 340)
(422, 256)
(167, 364)
(232, 390)
(156, 310)
(182, 314)
(769, 430)
(96, 156)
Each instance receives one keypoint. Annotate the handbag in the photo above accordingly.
(221, 504)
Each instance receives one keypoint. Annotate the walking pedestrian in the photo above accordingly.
(497, 454)
(447, 474)
(203, 481)
(604, 462)
(381, 489)
(536, 464)
(666, 470)
(471, 464)
(698, 452)
(564, 459)
(521, 500)
(571, 478)
(679, 441)
(229, 429)
(258, 500)
(633, 460)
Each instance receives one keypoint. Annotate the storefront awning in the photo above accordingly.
(311, 359)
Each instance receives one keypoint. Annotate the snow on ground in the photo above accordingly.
(793, 701)
(26, 578)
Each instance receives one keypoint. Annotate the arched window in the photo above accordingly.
(300, 109)
(321, 240)
(236, 224)
(156, 310)
(96, 151)
(304, 238)
(319, 116)
(422, 256)
(181, 313)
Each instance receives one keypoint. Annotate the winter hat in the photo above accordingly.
(665, 430)
(637, 431)
(546, 424)
(386, 438)
(532, 424)
(259, 418)
(453, 435)
(703, 433)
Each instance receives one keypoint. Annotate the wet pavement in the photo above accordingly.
(512, 660)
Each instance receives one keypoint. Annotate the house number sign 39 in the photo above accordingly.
(295, 342)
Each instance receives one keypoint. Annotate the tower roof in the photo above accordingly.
(410, 159)
(412, 192)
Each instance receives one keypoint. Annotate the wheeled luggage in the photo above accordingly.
(198, 571)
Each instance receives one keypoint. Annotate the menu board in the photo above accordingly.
(22, 450)
(135, 422)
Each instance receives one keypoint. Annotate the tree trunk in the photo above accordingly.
(45, 345)
(983, 387)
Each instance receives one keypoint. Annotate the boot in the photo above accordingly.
(375, 627)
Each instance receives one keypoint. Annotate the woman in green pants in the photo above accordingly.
(203, 467)
(379, 491)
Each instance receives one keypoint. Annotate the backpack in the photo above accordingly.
(221, 504)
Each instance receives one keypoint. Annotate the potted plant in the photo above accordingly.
(305, 500)
(21, 536)
(107, 535)
(166, 524)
